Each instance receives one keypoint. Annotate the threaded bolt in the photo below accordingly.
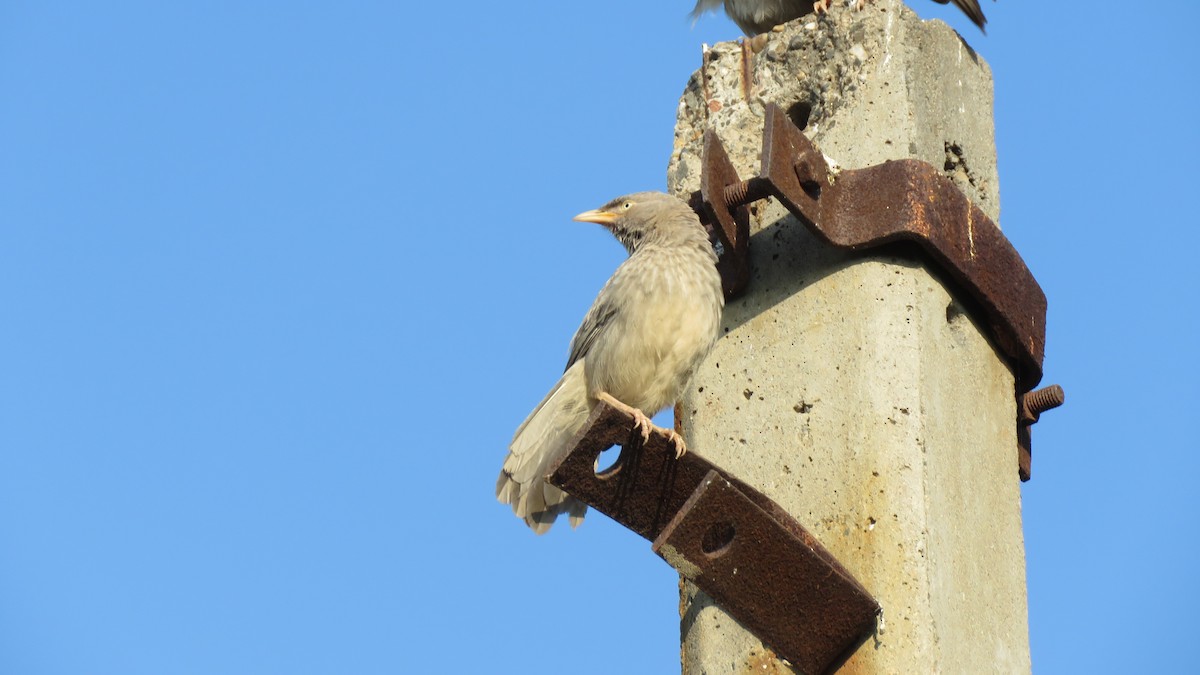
(1034, 403)
(746, 191)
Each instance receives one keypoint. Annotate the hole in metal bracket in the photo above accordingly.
(717, 539)
(811, 188)
(608, 462)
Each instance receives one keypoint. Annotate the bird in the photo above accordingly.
(759, 16)
(647, 331)
(972, 9)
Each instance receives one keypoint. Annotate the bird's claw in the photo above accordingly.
(677, 441)
(822, 6)
(642, 424)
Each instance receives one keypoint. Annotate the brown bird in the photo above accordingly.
(647, 331)
(760, 16)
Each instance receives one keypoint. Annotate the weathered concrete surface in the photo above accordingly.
(855, 391)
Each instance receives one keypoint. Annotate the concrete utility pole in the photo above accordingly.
(858, 392)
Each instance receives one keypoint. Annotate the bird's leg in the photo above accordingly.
(642, 424)
(821, 6)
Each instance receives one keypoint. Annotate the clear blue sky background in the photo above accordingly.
(278, 281)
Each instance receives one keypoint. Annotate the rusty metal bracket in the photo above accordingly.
(862, 209)
(1030, 407)
(734, 543)
(729, 222)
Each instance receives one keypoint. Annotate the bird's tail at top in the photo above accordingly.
(541, 439)
(973, 11)
(703, 6)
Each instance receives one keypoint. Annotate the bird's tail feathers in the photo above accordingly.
(701, 7)
(540, 440)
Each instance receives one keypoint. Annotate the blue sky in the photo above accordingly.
(279, 280)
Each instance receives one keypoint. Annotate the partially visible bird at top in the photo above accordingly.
(760, 16)
(645, 334)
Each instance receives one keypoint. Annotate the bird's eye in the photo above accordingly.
(627, 205)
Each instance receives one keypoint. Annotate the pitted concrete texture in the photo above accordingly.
(858, 392)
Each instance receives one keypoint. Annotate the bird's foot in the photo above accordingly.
(642, 425)
(822, 6)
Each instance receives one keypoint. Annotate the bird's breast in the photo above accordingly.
(666, 325)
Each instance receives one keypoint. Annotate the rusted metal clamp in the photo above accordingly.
(863, 209)
(734, 543)
(1030, 407)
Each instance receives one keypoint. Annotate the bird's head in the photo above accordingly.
(647, 218)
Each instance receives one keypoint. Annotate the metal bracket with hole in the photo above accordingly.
(863, 209)
(734, 543)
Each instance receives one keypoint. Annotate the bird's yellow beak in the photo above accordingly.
(596, 216)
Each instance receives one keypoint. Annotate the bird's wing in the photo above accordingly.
(595, 322)
(971, 8)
